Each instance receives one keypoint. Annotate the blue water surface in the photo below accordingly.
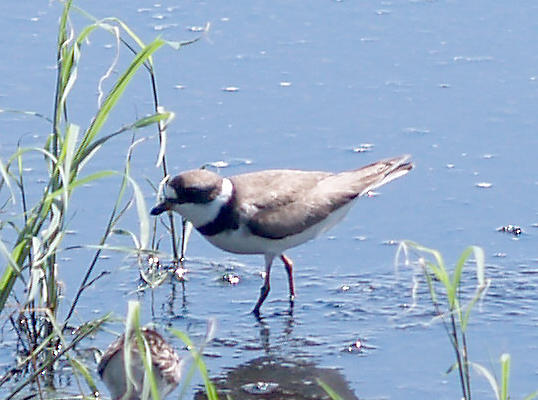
(320, 85)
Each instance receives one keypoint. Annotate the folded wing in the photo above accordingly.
(297, 200)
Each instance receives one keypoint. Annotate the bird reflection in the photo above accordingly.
(279, 378)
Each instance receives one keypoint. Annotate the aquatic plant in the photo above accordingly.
(445, 293)
(30, 278)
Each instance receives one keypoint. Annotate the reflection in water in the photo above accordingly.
(279, 373)
(265, 333)
(153, 274)
(273, 377)
(171, 300)
(264, 336)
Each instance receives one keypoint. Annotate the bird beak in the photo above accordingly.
(160, 208)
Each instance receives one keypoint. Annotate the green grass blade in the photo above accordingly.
(427, 250)
(211, 391)
(17, 155)
(86, 155)
(26, 112)
(63, 23)
(69, 74)
(478, 253)
(132, 326)
(431, 287)
(143, 216)
(11, 272)
(438, 268)
(129, 234)
(7, 180)
(82, 181)
(153, 119)
(54, 225)
(111, 68)
(54, 233)
(131, 34)
(489, 377)
(481, 286)
(456, 277)
(85, 372)
(120, 249)
(505, 375)
(114, 95)
(64, 62)
(177, 45)
(12, 263)
(107, 20)
(332, 394)
(34, 284)
(532, 396)
(163, 136)
(68, 148)
(150, 383)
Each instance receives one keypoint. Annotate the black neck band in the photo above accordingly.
(226, 219)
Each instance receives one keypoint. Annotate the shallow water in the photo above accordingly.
(326, 85)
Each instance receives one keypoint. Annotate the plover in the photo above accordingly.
(269, 212)
(166, 366)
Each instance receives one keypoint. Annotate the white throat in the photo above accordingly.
(202, 214)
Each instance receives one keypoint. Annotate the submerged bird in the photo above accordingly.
(166, 366)
(269, 212)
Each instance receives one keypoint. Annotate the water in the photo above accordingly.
(450, 82)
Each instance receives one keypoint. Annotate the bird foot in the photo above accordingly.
(256, 313)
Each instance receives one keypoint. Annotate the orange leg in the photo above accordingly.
(289, 269)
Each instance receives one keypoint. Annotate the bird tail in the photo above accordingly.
(360, 181)
(382, 172)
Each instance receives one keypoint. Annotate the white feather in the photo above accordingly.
(242, 241)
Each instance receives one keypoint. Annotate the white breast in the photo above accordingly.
(242, 241)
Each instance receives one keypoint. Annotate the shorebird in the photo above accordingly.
(269, 212)
(165, 363)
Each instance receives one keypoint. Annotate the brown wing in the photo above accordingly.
(295, 217)
(272, 189)
(292, 201)
(286, 202)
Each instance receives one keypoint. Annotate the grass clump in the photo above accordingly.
(445, 293)
(30, 294)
